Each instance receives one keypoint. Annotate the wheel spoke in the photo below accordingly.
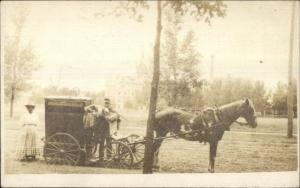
(124, 155)
(61, 160)
(112, 153)
(55, 146)
(71, 159)
(52, 139)
(56, 160)
(50, 149)
(139, 152)
(124, 163)
(72, 155)
(52, 153)
(65, 161)
(138, 146)
(109, 163)
(49, 160)
(137, 156)
(71, 151)
(123, 151)
(62, 148)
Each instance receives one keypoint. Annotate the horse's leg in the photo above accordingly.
(212, 155)
(156, 147)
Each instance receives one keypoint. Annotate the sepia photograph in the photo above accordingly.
(179, 93)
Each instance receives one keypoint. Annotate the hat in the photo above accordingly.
(106, 100)
(29, 104)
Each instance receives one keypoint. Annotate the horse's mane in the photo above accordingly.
(228, 108)
(233, 104)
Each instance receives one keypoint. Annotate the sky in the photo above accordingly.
(77, 49)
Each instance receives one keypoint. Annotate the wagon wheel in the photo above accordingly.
(119, 155)
(137, 148)
(62, 148)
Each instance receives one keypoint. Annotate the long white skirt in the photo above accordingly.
(28, 145)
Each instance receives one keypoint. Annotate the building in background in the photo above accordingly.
(121, 90)
(129, 91)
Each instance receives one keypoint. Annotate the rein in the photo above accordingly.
(176, 135)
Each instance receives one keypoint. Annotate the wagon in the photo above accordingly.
(65, 139)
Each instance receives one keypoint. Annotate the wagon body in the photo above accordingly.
(64, 115)
(64, 132)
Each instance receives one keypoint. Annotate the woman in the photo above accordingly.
(29, 137)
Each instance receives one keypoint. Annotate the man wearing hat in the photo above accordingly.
(111, 115)
(108, 123)
(28, 146)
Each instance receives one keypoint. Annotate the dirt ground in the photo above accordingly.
(264, 149)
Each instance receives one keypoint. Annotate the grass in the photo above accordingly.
(241, 150)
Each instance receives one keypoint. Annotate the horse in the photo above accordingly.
(208, 126)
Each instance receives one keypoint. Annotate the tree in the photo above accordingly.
(38, 93)
(280, 99)
(200, 10)
(259, 96)
(169, 58)
(279, 103)
(180, 60)
(290, 80)
(142, 93)
(225, 90)
(19, 60)
(148, 156)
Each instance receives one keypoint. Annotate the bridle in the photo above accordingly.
(241, 123)
(220, 117)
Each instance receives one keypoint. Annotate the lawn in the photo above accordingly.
(243, 149)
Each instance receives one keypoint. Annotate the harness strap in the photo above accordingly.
(216, 116)
(204, 120)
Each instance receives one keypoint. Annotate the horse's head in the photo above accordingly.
(248, 112)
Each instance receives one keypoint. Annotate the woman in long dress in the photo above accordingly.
(28, 148)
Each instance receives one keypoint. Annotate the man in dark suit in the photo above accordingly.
(105, 119)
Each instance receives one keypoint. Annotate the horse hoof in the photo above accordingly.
(155, 169)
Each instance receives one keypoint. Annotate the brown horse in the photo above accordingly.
(208, 126)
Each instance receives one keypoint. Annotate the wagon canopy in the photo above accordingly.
(65, 114)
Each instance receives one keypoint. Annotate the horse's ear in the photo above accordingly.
(247, 101)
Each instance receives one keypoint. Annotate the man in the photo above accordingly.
(107, 122)
(111, 116)
(89, 122)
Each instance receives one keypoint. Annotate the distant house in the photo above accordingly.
(121, 90)
(124, 90)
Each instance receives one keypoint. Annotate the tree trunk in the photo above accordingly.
(148, 157)
(12, 99)
(290, 84)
